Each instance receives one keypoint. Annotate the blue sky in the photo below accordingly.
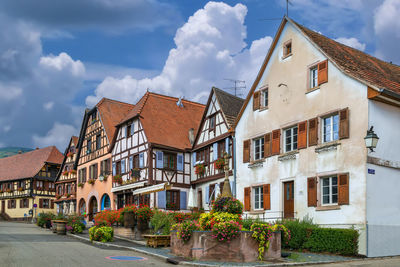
(59, 57)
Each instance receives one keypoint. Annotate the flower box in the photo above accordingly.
(202, 246)
(91, 181)
(117, 179)
(80, 185)
(157, 240)
(20, 189)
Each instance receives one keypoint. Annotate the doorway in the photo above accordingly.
(288, 202)
(3, 206)
(92, 208)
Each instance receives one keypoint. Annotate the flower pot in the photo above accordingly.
(129, 219)
(142, 225)
(48, 224)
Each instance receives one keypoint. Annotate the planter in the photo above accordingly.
(48, 224)
(202, 246)
(157, 240)
(61, 230)
(142, 225)
(129, 219)
(54, 226)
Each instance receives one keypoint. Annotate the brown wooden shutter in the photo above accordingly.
(344, 123)
(21, 203)
(246, 151)
(247, 199)
(46, 185)
(302, 135)
(221, 186)
(343, 189)
(52, 204)
(96, 170)
(267, 196)
(256, 100)
(41, 203)
(267, 145)
(102, 165)
(323, 72)
(312, 191)
(276, 142)
(313, 132)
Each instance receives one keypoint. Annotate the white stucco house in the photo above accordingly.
(300, 138)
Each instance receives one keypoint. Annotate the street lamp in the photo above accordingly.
(371, 140)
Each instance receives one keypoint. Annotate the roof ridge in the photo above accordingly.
(175, 98)
(224, 92)
(112, 100)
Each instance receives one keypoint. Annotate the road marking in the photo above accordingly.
(126, 258)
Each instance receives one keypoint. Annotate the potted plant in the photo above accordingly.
(9, 190)
(72, 171)
(91, 181)
(117, 179)
(135, 173)
(219, 164)
(67, 195)
(143, 215)
(20, 189)
(65, 173)
(1, 191)
(58, 196)
(80, 185)
(200, 169)
(70, 154)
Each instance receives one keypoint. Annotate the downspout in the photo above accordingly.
(234, 165)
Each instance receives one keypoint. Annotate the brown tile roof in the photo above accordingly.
(111, 112)
(75, 140)
(28, 164)
(164, 122)
(230, 105)
(360, 65)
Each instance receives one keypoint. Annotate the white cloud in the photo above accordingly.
(8, 93)
(63, 62)
(352, 42)
(58, 136)
(48, 105)
(210, 46)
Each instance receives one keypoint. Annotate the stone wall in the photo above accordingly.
(202, 246)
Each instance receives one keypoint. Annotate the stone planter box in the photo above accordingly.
(202, 246)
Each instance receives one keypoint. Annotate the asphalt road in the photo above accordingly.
(27, 245)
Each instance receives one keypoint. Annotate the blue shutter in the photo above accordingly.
(141, 160)
(183, 200)
(131, 163)
(160, 160)
(193, 158)
(227, 146)
(215, 151)
(207, 192)
(132, 128)
(114, 170)
(162, 199)
(179, 165)
(123, 166)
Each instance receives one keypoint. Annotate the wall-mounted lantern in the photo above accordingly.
(371, 140)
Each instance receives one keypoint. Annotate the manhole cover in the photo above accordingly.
(126, 258)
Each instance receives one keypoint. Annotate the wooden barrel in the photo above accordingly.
(129, 219)
(61, 230)
(54, 226)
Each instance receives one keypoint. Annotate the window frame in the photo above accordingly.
(330, 186)
(98, 141)
(264, 91)
(312, 79)
(332, 124)
(167, 156)
(292, 135)
(175, 195)
(260, 199)
(261, 151)
(46, 203)
(212, 118)
(285, 52)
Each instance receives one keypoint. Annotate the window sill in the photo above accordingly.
(288, 155)
(257, 163)
(309, 90)
(330, 207)
(263, 108)
(327, 146)
(286, 56)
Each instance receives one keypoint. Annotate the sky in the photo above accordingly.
(59, 57)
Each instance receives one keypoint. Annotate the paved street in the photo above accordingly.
(27, 245)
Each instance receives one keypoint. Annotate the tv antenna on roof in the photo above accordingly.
(238, 85)
(288, 2)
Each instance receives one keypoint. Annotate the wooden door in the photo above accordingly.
(288, 202)
(3, 206)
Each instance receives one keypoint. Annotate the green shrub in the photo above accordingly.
(161, 222)
(44, 217)
(102, 234)
(338, 241)
(246, 223)
(298, 232)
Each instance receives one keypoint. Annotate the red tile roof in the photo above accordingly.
(111, 112)
(75, 140)
(164, 122)
(28, 164)
(381, 74)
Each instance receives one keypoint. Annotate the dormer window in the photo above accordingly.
(211, 123)
(287, 49)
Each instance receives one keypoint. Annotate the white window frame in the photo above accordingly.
(313, 72)
(333, 136)
(293, 134)
(258, 150)
(285, 46)
(258, 197)
(264, 100)
(330, 193)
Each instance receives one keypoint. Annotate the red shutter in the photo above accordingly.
(323, 72)
(344, 123)
(267, 196)
(256, 100)
(246, 151)
(247, 199)
(313, 132)
(302, 135)
(267, 145)
(52, 204)
(276, 142)
(343, 189)
(312, 191)
(41, 203)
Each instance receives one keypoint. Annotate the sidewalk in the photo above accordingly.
(295, 259)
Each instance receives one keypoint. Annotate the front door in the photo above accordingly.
(288, 202)
(3, 206)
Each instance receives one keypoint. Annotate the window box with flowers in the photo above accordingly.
(58, 196)
(219, 164)
(9, 190)
(20, 189)
(135, 173)
(91, 181)
(67, 195)
(200, 170)
(70, 154)
(117, 179)
(65, 173)
(72, 172)
(80, 185)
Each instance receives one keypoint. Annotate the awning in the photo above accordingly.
(128, 186)
(152, 189)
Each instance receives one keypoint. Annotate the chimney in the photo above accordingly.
(191, 136)
(19, 151)
(37, 148)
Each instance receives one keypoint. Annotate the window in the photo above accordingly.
(82, 175)
(212, 123)
(221, 149)
(39, 184)
(60, 190)
(258, 197)
(330, 128)
(287, 48)
(123, 166)
(46, 203)
(68, 189)
(172, 200)
(313, 76)
(12, 204)
(105, 167)
(169, 161)
(98, 142)
(329, 190)
(211, 192)
(258, 148)
(24, 203)
(88, 146)
(118, 167)
(93, 171)
(21, 184)
(290, 139)
(128, 130)
(264, 98)
(203, 155)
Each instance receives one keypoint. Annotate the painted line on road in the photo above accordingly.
(126, 258)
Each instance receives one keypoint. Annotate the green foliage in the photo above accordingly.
(227, 204)
(44, 217)
(161, 222)
(298, 230)
(102, 234)
(76, 223)
(144, 213)
(185, 229)
(226, 231)
(246, 223)
(338, 241)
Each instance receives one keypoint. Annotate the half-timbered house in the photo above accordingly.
(151, 152)
(66, 181)
(300, 138)
(27, 183)
(212, 140)
(94, 162)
